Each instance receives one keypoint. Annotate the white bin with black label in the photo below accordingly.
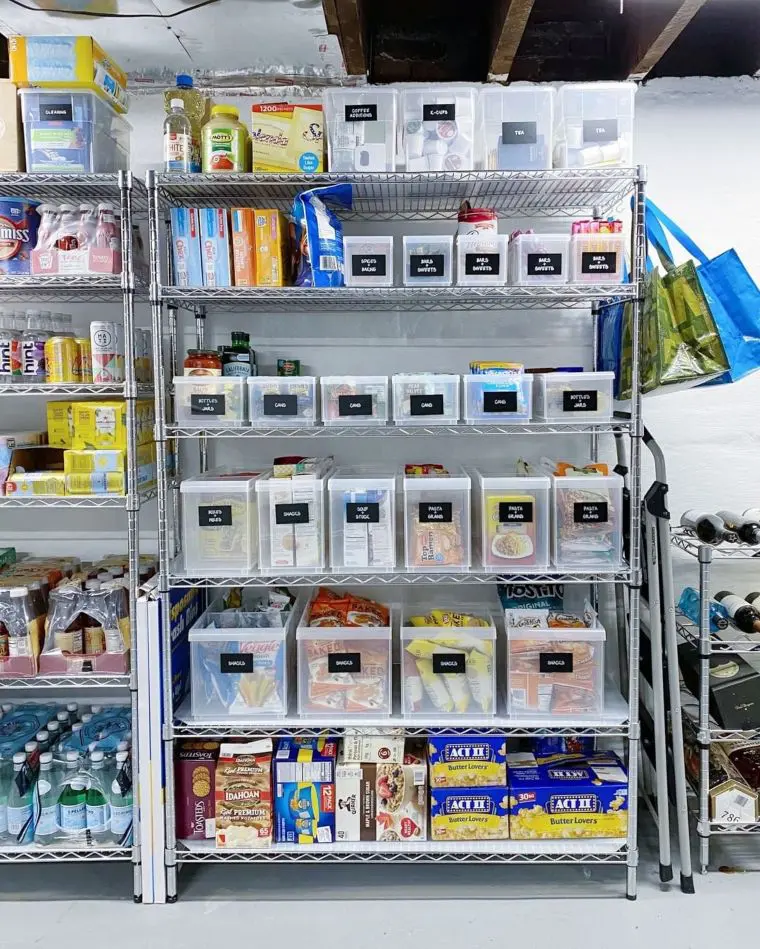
(282, 401)
(361, 128)
(597, 258)
(368, 261)
(588, 521)
(482, 260)
(437, 522)
(210, 401)
(575, 397)
(362, 519)
(292, 526)
(428, 261)
(438, 128)
(355, 400)
(517, 126)
(539, 259)
(425, 398)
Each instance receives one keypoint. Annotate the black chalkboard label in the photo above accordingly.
(354, 405)
(599, 130)
(484, 265)
(515, 512)
(519, 133)
(449, 663)
(590, 512)
(499, 401)
(344, 662)
(555, 662)
(207, 404)
(580, 400)
(219, 515)
(544, 265)
(368, 513)
(291, 513)
(426, 404)
(56, 112)
(361, 113)
(426, 265)
(368, 265)
(599, 262)
(439, 112)
(236, 662)
(281, 405)
(435, 513)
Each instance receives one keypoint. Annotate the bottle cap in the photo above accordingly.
(19, 757)
(177, 104)
(184, 81)
(18, 592)
(72, 756)
(46, 757)
(96, 756)
(122, 755)
(230, 110)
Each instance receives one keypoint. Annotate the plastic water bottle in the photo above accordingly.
(19, 806)
(72, 801)
(98, 808)
(178, 140)
(47, 801)
(121, 801)
(689, 606)
(6, 772)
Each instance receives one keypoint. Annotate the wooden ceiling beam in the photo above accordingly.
(651, 30)
(345, 19)
(509, 23)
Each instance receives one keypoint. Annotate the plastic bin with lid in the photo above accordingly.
(362, 519)
(428, 260)
(282, 401)
(438, 130)
(575, 397)
(292, 523)
(355, 400)
(482, 260)
(368, 261)
(517, 125)
(497, 398)
(361, 128)
(437, 521)
(447, 662)
(588, 521)
(554, 671)
(219, 523)
(210, 401)
(594, 125)
(597, 258)
(512, 522)
(344, 659)
(425, 398)
(73, 131)
(539, 259)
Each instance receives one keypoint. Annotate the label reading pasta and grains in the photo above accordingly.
(515, 512)
(435, 513)
(590, 512)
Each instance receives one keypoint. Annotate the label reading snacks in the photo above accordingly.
(601, 262)
(368, 265)
(291, 513)
(515, 512)
(599, 130)
(215, 516)
(439, 112)
(344, 662)
(580, 400)
(555, 662)
(519, 133)
(544, 265)
(439, 513)
(484, 265)
(499, 401)
(426, 265)
(236, 662)
(207, 404)
(426, 404)
(368, 513)
(361, 113)
(354, 405)
(280, 405)
(590, 512)
(448, 663)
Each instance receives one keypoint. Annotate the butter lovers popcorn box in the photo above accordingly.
(457, 761)
(479, 813)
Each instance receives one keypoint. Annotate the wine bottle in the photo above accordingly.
(745, 616)
(752, 597)
(744, 528)
(752, 514)
(709, 528)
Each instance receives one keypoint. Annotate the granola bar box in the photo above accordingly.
(479, 813)
(457, 761)
(304, 788)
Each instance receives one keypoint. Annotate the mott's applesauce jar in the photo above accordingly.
(224, 141)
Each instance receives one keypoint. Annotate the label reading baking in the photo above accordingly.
(580, 400)
(363, 513)
(344, 662)
(484, 265)
(544, 265)
(354, 405)
(56, 112)
(291, 513)
(599, 130)
(515, 512)
(368, 265)
(439, 112)
(426, 265)
(500, 401)
(599, 262)
(426, 404)
(447, 663)
(281, 405)
(207, 404)
(361, 113)
(590, 512)
(219, 515)
(519, 133)
(230, 662)
(555, 662)
(435, 513)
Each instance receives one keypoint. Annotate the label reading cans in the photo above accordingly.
(368, 265)
(544, 265)
(426, 404)
(519, 133)
(344, 662)
(368, 513)
(482, 264)
(599, 130)
(426, 265)
(439, 112)
(291, 513)
(230, 662)
(580, 400)
(448, 663)
(215, 516)
(56, 112)
(500, 401)
(354, 405)
(361, 113)
(281, 405)
(555, 662)
(435, 513)
(515, 512)
(602, 262)
(590, 512)
(213, 404)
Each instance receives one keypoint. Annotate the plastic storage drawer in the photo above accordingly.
(594, 125)
(539, 259)
(482, 260)
(74, 132)
(437, 522)
(368, 261)
(517, 126)
(209, 401)
(355, 400)
(497, 398)
(447, 671)
(428, 261)
(438, 128)
(219, 523)
(292, 529)
(573, 396)
(282, 401)
(361, 129)
(513, 522)
(425, 398)
(597, 258)
(588, 521)
(362, 519)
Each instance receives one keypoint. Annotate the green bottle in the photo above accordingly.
(97, 807)
(47, 792)
(20, 806)
(72, 802)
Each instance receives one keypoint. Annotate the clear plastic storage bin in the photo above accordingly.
(74, 132)
(428, 261)
(361, 128)
(497, 398)
(362, 519)
(292, 528)
(282, 401)
(517, 124)
(438, 128)
(425, 398)
(588, 521)
(539, 259)
(594, 124)
(597, 258)
(573, 396)
(513, 522)
(437, 522)
(209, 401)
(482, 260)
(368, 261)
(447, 671)
(355, 400)
(219, 523)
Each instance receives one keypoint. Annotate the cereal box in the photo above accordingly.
(464, 762)
(243, 795)
(568, 798)
(480, 813)
(215, 247)
(243, 246)
(272, 253)
(304, 776)
(186, 247)
(195, 775)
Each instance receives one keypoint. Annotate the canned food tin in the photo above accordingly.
(288, 367)
(107, 341)
(61, 359)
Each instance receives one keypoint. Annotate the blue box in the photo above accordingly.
(186, 247)
(304, 790)
(479, 813)
(216, 247)
(456, 761)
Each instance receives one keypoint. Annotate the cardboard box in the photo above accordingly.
(364, 745)
(243, 246)
(88, 260)
(304, 780)
(243, 795)
(60, 424)
(479, 813)
(216, 247)
(97, 482)
(457, 761)
(272, 249)
(12, 157)
(186, 247)
(734, 686)
(195, 777)
(27, 484)
(100, 425)
(287, 138)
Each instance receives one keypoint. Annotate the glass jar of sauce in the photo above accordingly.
(202, 362)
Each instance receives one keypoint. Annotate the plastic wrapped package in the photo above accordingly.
(21, 630)
(319, 236)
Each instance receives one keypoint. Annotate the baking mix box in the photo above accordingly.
(186, 247)
(304, 790)
(215, 247)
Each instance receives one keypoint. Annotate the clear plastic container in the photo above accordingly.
(447, 671)
(282, 401)
(209, 401)
(219, 523)
(553, 672)
(597, 258)
(517, 124)
(482, 260)
(588, 521)
(292, 526)
(425, 398)
(573, 396)
(437, 522)
(73, 131)
(513, 522)
(368, 261)
(355, 400)
(437, 125)
(498, 398)
(362, 519)
(361, 128)
(594, 125)
(428, 261)
(539, 259)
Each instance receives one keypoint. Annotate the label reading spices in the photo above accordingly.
(281, 405)
(599, 130)
(215, 516)
(515, 512)
(368, 265)
(602, 262)
(590, 512)
(207, 404)
(368, 513)
(482, 264)
(544, 265)
(291, 513)
(354, 405)
(447, 663)
(555, 662)
(499, 401)
(519, 133)
(580, 400)
(344, 662)
(438, 513)
(361, 113)
(426, 404)
(230, 662)
(437, 112)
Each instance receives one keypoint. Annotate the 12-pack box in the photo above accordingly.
(272, 248)
(304, 783)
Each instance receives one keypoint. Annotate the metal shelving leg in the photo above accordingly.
(703, 828)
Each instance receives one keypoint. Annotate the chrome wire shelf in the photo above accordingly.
(62, 288)
(690, 632)
(72, 189)
(65, 682)
(70, 388)
(690, 544)
(32, 854)
(734, 829)
(411, 196)
(84, 500)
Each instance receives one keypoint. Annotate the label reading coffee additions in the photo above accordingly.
(368, 513)
(544, 265)
(344, 662)
(236, 662)
(515, 512)
(56, 112)
(281, 405)
(449, 663)
(580, 400)
(368, 265)
(437, 112)
(426, 265)
(426, 404)
(438, 513)
(291, 513)
(590, 512)
(354, 405)
(601, 262)
(499, 401)
(361, 113)
(207, 404)
(215, 516)
(599, 130)
(484, 265)
(555, 662)
(519, 133)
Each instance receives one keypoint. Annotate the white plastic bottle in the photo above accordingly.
(178, 140)
(121, 801)
(19, 806)
(98, 807)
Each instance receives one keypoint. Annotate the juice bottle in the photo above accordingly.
(195, 106)
(224, 141)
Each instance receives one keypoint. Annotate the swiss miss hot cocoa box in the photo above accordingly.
(195, 774)
(244, 794)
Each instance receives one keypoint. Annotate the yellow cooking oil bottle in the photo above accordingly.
(196, 110)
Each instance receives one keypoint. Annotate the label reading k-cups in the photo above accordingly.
(439, 112)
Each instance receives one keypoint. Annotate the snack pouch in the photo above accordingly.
(319, 236)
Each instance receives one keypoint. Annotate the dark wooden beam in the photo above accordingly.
(345, 18)
(509, 23)
(651, 29)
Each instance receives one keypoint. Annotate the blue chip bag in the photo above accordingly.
(319, 236)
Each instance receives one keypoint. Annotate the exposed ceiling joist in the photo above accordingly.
(345, 19)
(654, 28)
(510, 21)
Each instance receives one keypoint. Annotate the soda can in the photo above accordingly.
(84, 359)
(107, 352)
(61, 357)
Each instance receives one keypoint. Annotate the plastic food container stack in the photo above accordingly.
(368, 261)
(594, 125)
(517, 125)
(588, 521)
(539, 259)
(438, 128)
(428, 261)
(361, 129)
(210, 401)
(292, 524)
(513, 522)
(573, 396)
(282, 401)
(362, 519)
(482, 260)
(355, 400)
(437, 522)
(425, 398)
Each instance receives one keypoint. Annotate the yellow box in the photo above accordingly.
(272, 252)
(287, 138)
(97, 482)
(100, 425)
(60, 424)
(36, 484)
(67, 62)
(87, 460)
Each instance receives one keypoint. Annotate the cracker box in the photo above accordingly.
(186, 247)
(480, 813)
(243, 795)
(304, 779)
(215, 247)
(464, 762)
(243, 246)
(568, 798)
(272, 251)
(195, 775)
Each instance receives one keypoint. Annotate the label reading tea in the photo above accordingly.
(368, 265)
(519, 133)
(281, 405)
(354, 405)
(230, 662)
(590, 512)
(438, 513)
(499, 401)
(485, 265)
(544, 265)
(555, 662)
(436, 112)
(599, 130)
(215, 516)
(344, 662)
(291, 513)
(447, 663)
(426, 265)
(207, 404)
(602, 262)
(426, 404)
(368, 513)
(580, 400)
(361, 113)
(515, 512)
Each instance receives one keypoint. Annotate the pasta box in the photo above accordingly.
(304, 790)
